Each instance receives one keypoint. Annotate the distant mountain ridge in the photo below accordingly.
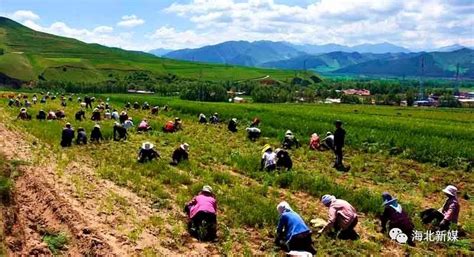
(364, 59)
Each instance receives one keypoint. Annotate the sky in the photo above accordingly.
(150, 24)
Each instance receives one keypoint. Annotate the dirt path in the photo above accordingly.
(67, 196)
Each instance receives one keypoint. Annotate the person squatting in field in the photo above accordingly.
(23, 115)
(268, 161)
(232, 126)
(253, 133)
(81, 136)
(396, 217)
(342, 217)
(290, 140)
(202, 215)
(180, 154)
(96, 134)
(67, 135)
(292, 232)
(120, 133)
(446, 215)
(144, 126)
(202, 118)
(81, 114)
(147, 153)
(284, 161)
(41, 115)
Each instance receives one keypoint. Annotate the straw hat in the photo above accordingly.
(147, 146)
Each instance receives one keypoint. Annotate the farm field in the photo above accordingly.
(129, 208)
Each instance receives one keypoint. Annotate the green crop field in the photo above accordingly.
(29, 54)
(412, 153)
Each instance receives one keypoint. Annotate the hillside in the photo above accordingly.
(363, 48)
(437, 64)
(330, 61)
(238, 53)
(29, 55)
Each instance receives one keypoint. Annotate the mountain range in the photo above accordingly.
(366, 59)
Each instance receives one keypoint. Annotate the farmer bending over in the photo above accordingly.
(180, 154)
(119, 132)
(81, 136)
(96, 134)
(67, 135)
(342, 217)
(147, 153)
(202, 215)
(292, 232)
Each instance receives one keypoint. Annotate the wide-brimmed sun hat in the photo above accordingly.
(451, 190)
(266, 148)
(207, 188)
(147, 146)
(185, 147)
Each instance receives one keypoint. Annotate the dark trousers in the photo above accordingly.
(339, 156)
(430, 215)
(89, 105)
(203, 226)
(301, 242)
(349, 233)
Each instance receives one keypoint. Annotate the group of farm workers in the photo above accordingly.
(292, 232)
(295, 236)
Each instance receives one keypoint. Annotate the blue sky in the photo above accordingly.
(149, 24)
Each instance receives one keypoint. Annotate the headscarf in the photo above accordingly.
(392, 202)
(283, 206)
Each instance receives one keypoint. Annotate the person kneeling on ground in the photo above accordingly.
(448, 214)
(51, 115)
(202, 215)
(147, 153)
(180, 154)
(119, 132)
(81, 114)
(232, 127)
(253, 133)
(202, 118)
(41, 115)
(283, 160)
(96, 115)
(328, 141)
(144, 126)
(96, 134)
(396, 217)
(214, 118)
(255, 123)
(23, 115)
(128, 124)
(268, 159)
(60, 114)
(314, 142)
(136, 106)
(178, 125)
(123, 117)
(290, 140)
(155, 110)
(292, 232)
(81, 136)
(67, 135)
(342, 216)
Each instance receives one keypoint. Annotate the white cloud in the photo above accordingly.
(411, 23)
(130, 21)
(23, 15)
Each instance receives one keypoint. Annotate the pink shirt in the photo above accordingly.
(143, 124)
(203, 203)
(341, 213)
(451, 209)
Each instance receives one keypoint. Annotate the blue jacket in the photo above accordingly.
(292, 224)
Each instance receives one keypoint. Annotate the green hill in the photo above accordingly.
(28, 55)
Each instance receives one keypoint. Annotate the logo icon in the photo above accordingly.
(397, 235)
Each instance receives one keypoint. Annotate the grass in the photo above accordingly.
(56, 241)
(246, 196)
